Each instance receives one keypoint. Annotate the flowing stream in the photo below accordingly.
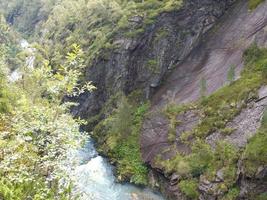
(94, 179)
(92, 175)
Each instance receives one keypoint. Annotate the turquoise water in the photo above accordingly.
(95, 180)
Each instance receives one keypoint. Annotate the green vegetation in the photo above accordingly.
(262, 196)
(25, 15)
(255, 154)
(171, 111)
(118, 136)
(37, 130)
(232, 194)
(162, 33)
(189, 188)
(153, 66)
(93, 24)
(231, 74)
(214, 112)
(227, 102)
(205, 161)
(254, 3)
(203, 87)
(8, 44)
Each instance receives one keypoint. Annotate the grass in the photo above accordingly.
(189, 188)
(254, 4)
(154, 66)
(206, 162)
(232, 194)
(171, 111)
(222, 106)
(215, 111)
(255, 154)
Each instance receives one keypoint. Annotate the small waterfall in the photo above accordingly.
(29, 61)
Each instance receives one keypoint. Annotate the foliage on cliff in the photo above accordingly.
(216, 111)
(254, 3)
(37, 130)
(93, 24)
(118, 137)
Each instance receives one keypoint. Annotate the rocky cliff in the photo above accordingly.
(209, 62)
(178, 58)
(142, 61)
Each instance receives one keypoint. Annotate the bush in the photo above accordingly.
(121, 140)
(189, 188)
(232, 194)
(255, 154)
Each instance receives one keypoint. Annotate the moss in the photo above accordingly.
(189, 188)
(134, 33)
(262, 196)
(227, 131)
(232, 194)
(254, 4)
(153, 66)
(161, 33)
(227, 102)
(255, 154)
(215, 111)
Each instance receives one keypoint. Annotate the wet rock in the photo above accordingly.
(245, 124)
(219, 176)
(205, 186)
(174, 179)
(213, 139)
(262, 92)
(125, 67)
(136, 19)
(261, 172)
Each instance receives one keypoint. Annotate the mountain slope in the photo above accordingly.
(204, 71)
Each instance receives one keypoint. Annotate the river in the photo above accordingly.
(94, 179)
(92, 175)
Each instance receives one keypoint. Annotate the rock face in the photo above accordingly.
(143, 61)
(220, 48)
(167, 62)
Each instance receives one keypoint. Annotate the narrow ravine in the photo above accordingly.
(93, 177)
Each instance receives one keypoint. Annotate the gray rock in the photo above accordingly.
(125, 68)
(261, 172)
(262, 92)
(219, 176)
(174, 179)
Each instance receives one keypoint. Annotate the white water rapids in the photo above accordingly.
(94, 180)
(92, 175)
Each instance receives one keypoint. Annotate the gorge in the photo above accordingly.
(131, 99)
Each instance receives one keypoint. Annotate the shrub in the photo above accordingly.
(231, 74)
(118, 136)
(255, 154)
(232, 194)
(189, 188)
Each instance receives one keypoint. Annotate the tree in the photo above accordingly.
(231, 74)
(203, 87)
